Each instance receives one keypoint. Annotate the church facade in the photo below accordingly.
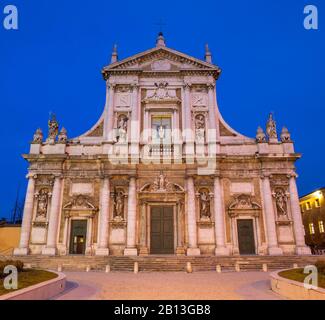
(161, 172)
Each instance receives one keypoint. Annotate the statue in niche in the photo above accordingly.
(38, 136)
(200, 128)
(53, 126)
(281, 202)
(122, 128)
(205, 205)
(119, 205)
(42, 204)
(271, 128)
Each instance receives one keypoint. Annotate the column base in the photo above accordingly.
(130, 252)
(193, 252)
(103, 252)
(222, 251)
(144, 251)
(21, 252)
(303, 251)
(275, 251)
(180, 251)
(49, 252)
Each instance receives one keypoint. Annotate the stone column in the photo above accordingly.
(180, 238)
(135, 125)
(50, 249)
(23, 248)
(193, 249)
(273, 247)
(189, 136)
(103, 221)
(109, 114)
(212, 135)
(131, 249)
(143, 230)
(301, 248)
(89, 236)
(219, 217)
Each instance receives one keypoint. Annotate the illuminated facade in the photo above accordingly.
(161, 172)
(312, 208)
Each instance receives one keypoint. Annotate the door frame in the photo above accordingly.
(256, 232)
(175, 225)
(254, 235)
(88, 243)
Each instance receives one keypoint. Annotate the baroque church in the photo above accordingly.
(161, 172)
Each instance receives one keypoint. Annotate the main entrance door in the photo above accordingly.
(246, 236)
(162, 230)
(78, 236)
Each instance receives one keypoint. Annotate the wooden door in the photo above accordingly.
(162, 230)
(246, 236)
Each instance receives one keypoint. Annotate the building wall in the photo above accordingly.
(9, 239)
(313, 213)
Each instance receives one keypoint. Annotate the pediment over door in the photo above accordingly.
(244, 205)
(161, 185)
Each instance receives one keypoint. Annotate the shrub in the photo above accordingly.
(320, 265)
(18, 264)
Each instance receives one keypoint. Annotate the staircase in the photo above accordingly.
(166, 263)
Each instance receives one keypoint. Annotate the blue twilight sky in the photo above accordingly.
(53, 63)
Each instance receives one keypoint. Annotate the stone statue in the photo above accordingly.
(161, 132)
(53, 126)
(271, 128)
(63, 137)
(122, 128)
(38, 136)
(205, 205)
(200, 128)
(260, 135)
(285, 135)
(42, 204)
(281, 202)
(119, 205)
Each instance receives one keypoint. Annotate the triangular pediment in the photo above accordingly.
(161, 59)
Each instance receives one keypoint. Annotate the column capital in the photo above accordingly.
(57, 176)
(187, 86)
(134, 87)
(211, 85)
(31, 176)
(111, 85)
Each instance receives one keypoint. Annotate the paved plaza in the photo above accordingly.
(169, 286)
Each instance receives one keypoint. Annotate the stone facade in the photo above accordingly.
(162, 143)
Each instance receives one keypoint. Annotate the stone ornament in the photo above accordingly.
(161, 184)
(285, 135)
(161, 92)
(260, 135)
(271, 128)
(122, 128)
(281, 202)
(161, 65)
(199, 100)
(63, 137)
(79, 204)
(204, 198)
(53, 127)
(38, 136)
(243, 202)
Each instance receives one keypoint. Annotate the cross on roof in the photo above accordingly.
(161, 24)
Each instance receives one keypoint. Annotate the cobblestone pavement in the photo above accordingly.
(168, 286)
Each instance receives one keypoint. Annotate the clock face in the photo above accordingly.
(161, 65)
